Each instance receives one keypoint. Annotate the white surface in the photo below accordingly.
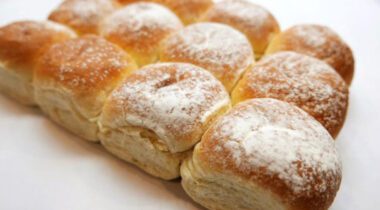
(43, 167)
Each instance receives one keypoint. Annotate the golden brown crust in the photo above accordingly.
(84, 16)
(23, 42)
(257, 23)
(218, 48)
(84, 66)
(188, 10)
(320, 42)
(277, 146)
(139, 29)
(301, 80)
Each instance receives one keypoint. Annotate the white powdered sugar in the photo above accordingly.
(312, 36)
(288, 143)
(216, 47)
(86, 9)
(250, 15)
(171, 99)
(304, 81)
(140, 20)
(85, 61)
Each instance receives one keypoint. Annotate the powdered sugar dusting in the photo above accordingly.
(250, 14)
(219, 48)
(312, 36)
(84, 62)
(279, 140)
(172, 99)
(140, 21)
(304, 81)
(87, 9)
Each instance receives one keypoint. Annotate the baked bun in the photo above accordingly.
(301, 80)
(84, 16)
(257, 23)
(73, 79)
(218, 48)
(188, 10)
(320, 42)
(21, 45)
(155, 117)
(139, 28)
(264, 154)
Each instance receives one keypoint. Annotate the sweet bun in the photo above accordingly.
(139, 29)
(21, 44)
(84, 16)
(218, 48)
(73, 79)
(188, 10)
(301, 80)
(320, 42)
(155, 117)
(257, 23)
(264, 154)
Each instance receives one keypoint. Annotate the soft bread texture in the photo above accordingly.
(301, 80)
(320, 42)
(73, 79)
(218, 48)
(257, 23)
(154, 118)
(22, 43)
(189, 11)
(84, 16)
(264, 154)
(139, 29)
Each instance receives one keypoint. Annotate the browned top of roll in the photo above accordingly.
(277, 146)
(320, 42)
(84, 66)
(302, 80)
(23, 42)
(84, 16)
(257, 23)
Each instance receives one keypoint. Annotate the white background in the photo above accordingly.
(43, 167)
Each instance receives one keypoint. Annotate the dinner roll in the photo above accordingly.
(320, 42)
(73, 79)
(264, 154)
(84, 16)
(220, 49)
(188, 10)
(257, 23)
(301, 80)
(21, 44)
(154, 118)
(139, 28)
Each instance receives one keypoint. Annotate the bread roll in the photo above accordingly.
(188, 10)
(73, 79)
(84, 16)
(139, 28)
(154, 118)
(301, 80)
(257, 23)
(21, 45)
(320, 42)
(264, 154)
(218, 48)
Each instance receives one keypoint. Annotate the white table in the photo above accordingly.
(43, 167)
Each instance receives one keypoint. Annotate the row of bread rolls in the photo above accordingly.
(262, 154)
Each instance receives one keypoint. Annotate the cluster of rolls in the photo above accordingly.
(214, 93)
